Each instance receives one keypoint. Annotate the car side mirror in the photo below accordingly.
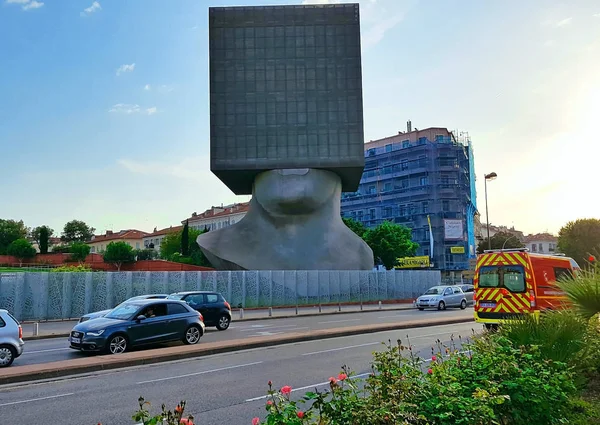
(140, 318)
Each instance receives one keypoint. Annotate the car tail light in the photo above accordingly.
(227, 305)
(504, 291)
(474, 296)
(532, 298)
(201, 317)
(20, 332)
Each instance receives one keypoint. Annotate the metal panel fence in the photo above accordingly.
(47, 296)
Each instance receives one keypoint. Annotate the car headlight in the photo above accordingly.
(95, 333)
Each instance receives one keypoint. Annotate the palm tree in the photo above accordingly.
(583, 290)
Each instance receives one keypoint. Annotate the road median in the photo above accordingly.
(97, 363)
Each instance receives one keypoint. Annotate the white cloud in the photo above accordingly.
(93, 8)
(564, 22)
(376, 33)
(17, 1)
(125, 108)
(27, 4)
(125, 68)
(147, 87)
(596, 15)
(129, 108)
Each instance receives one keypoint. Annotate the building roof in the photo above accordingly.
(411, 135)
(541, 237)
(164, 231)
(122, 234)
(222, 211)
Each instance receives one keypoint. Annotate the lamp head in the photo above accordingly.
(491, 176)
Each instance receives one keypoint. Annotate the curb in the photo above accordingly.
(249, 319)
(109, 362)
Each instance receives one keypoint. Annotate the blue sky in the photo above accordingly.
(104, 104)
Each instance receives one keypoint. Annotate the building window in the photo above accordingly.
(387, 187)
(406, 143)
(387, 211)
(372, 190)
(423, 181)
(93, 249)
(387, 169)
(445, 205)
(551, 247)
(404, 183)
(426, 252)
(137, 245)
(404, 164)
(372, 214)
(402, 210)
(360, 215)
(541, 247)
(422, 140)
(533, 247)
(425, 207)
(371, 152)
(422, 161)
(388, 148)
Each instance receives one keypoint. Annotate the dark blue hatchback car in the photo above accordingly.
(139, 322)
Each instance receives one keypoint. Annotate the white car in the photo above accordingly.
(441, 297)
(11, 339)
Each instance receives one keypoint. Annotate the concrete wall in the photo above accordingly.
(45, 296)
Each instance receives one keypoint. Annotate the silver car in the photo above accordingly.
(11, 338)
(469, 291)
(441, 297)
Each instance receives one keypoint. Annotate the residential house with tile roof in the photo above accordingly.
(218, 217)
(543, 243)
(154, 239)
(133, 237)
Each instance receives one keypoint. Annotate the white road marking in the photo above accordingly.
(340, 321)
(198, 373)
(45, 351)
(35, 399)
(342, 348)
(254, 327)
(306, 387)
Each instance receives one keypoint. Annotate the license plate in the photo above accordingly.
(75, 340)
(487, 305)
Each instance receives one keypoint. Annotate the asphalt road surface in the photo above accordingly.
(56, 349)
(222, 389)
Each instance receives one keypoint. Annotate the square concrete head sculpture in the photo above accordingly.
(286, 125)
(285, 92)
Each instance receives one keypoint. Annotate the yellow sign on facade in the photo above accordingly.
(457, 249)
(412, 262)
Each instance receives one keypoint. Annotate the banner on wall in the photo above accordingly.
(453, 230)
(413, 262)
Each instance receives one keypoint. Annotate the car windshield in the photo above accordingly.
(434, 291)
(123, 312)
(510, 277)
(175, 297)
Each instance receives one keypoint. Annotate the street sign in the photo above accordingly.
(457, 249)
(473, 263)
(413, 262)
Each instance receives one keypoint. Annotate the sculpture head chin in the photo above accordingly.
(296, 191)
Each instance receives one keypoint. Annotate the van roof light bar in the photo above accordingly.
(487, 251)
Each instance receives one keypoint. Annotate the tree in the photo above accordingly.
(578, 239)
(185, 240)
(356, 226)
(389, 242)
(42, 235)
(77, 231)
(501, 240)
(10, 231)
(21, 249)
(145, 254)
(79, 251)
(36, 234)
(170, 248)
(118, 253)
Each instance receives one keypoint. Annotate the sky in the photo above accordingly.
(104, 104)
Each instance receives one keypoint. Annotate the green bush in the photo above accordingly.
(81, 268)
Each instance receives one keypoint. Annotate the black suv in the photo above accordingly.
(213, 306)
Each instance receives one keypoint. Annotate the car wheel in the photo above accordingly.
(442, 305)
(117, 344)
(463, 304)
(223, 323)
(420, 308)
(7, 355)
(192, 335)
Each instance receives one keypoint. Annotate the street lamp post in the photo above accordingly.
(490, 176)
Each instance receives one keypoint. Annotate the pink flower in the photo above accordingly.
(269, 403)
(255, 421)
(332, 380)
(286, 390)
(433, 358)
(186, 421)
(430, 371)
(342, 376)
(300, 414)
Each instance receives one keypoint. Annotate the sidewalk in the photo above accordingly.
(57, 329)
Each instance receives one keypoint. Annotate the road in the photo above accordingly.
(50, 350)
(227, 388)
